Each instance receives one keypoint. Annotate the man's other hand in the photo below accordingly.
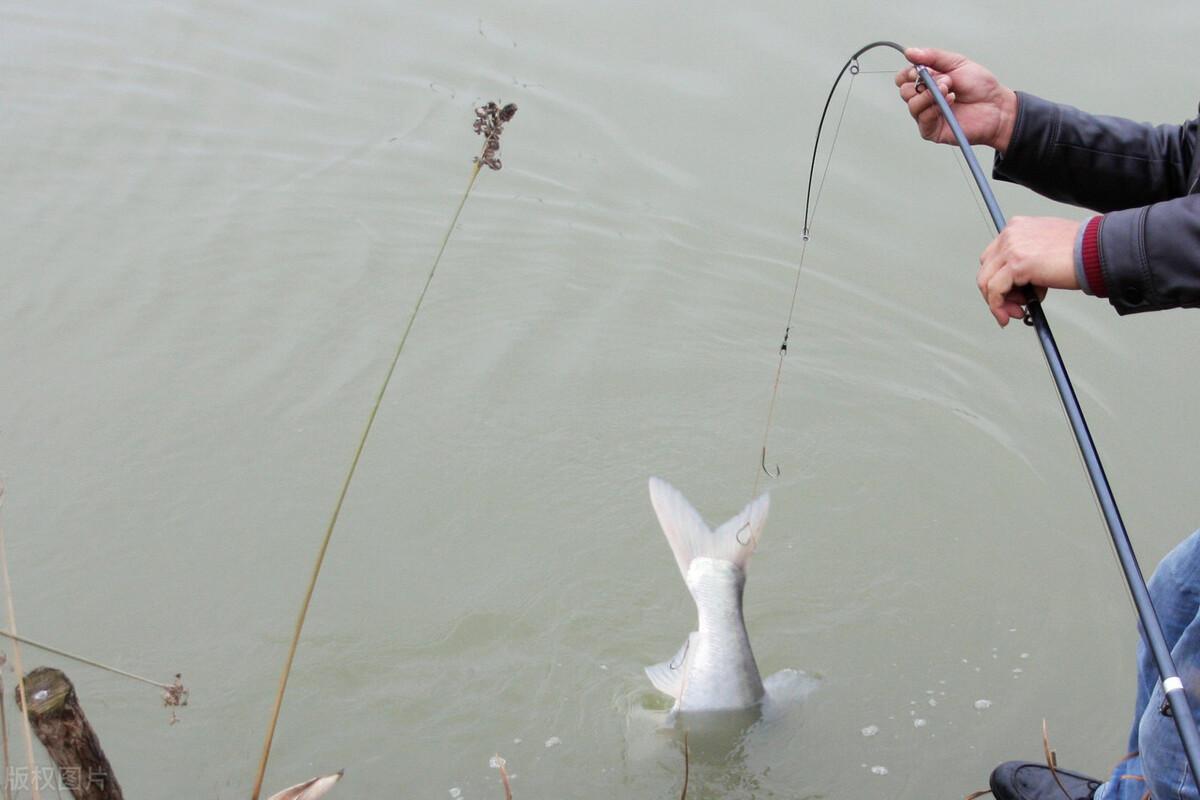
(1030, 251)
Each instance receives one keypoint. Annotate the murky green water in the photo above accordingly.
(216, 218)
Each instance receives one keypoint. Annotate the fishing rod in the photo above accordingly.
(1177, 703)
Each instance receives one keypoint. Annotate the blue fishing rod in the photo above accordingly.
(1177, 703)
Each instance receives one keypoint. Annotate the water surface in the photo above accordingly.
(217, 218)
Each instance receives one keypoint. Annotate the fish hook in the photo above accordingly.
(774, 474)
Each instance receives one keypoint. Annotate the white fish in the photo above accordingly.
(714, 670)
(309, 790)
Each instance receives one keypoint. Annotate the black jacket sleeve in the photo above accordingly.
(1150, 256)
(1144, 175)
(1098, 162)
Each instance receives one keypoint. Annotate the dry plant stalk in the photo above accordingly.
(499, 763)
(489, 122)
(4, 733)
(174, 694)
(1051, 759)
(687, 761)
(12, 623)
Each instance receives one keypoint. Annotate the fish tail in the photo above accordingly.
(690, 537)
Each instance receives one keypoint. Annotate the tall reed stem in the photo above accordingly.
(12, 623)
(337, 509)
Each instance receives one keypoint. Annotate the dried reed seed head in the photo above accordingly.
(176, 694)
(489, 123)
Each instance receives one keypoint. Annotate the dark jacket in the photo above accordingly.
(1143, 177)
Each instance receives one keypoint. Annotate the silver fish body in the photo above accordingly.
(721, 671)
(714, 670)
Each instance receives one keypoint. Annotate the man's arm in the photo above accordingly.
(1146, 258)
(1143, 255)
(1099, 162)
(1141, 259)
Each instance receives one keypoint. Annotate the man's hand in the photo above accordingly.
(1030, 251)
(985, 108)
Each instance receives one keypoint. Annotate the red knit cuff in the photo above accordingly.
(1090, 252)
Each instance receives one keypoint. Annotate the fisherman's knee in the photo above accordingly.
(1164, 763)
(1180, 566)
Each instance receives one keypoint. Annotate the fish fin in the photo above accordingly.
(745, 529)
(309, 790)
(786, 689)
(667, 676)
(690, 537)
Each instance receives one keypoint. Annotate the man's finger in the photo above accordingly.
(998, 246)
(998, 287)
(924, 109)
(943, 84)
(981, 280)
(941, 60)
(989, 252)
(990, 262)
(930, 121)
(1014, 304)
(918, 104)
(987, 270)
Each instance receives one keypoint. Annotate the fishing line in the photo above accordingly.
(1079, 453)
(983, 215)
(810, 210)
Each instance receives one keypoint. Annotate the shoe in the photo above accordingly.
(1026, 780)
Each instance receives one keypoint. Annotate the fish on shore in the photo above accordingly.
(714, 670)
